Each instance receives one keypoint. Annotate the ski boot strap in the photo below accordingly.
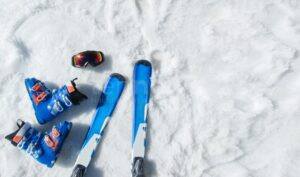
(17, 136)
(75, 96)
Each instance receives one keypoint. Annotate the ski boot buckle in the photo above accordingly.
(36, 87)
(39, 98)
(50, 143)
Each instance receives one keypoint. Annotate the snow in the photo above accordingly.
(225, 89)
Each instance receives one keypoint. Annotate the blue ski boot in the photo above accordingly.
(44, 147)
(48, 105)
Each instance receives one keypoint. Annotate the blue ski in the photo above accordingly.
(107, 103)
(141, 94)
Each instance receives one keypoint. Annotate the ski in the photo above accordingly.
(141, 94)
(107, 103)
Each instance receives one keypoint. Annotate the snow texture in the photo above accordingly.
(225, 90)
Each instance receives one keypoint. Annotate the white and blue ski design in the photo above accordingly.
(141, 90)
(107, 103)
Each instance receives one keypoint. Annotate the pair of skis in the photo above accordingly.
(107, 103)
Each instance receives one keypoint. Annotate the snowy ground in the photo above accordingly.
(226, 83)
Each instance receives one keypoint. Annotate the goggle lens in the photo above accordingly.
(79, 60)
(94, 58)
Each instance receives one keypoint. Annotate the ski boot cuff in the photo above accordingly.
(17, 136)
(75, 95)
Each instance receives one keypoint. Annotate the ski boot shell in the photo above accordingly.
(44, 147)
(49, 105)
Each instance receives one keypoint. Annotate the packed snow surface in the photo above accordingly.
(225, 89)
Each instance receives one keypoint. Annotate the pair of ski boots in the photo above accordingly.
(45, 147)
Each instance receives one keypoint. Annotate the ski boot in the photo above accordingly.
(48, 105)
(44, 147)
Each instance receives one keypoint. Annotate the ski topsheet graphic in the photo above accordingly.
(141, 93)
(107, 103)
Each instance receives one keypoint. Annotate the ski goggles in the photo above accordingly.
(82, 59)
